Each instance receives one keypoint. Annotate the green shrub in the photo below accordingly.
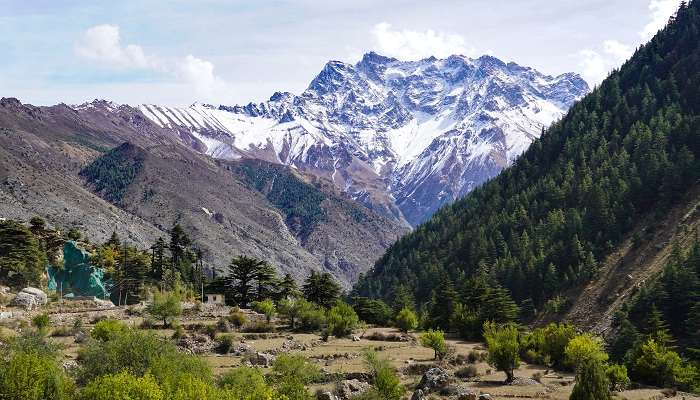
(290, 375)
(246, 383)
(226, 343)
(434, 340)
(122, 386)
(266, 307)
(372, 311)
(504, 348)
(41, 322)
(654, 364)
(237, 318)
(31, 375)
(584, 347)
(617, 376)
(551, 342)
(107, 329)
(134, 351)
(179, 332)
(312, 317)
(386, 381)
(173, 370)
(406, 320)
(341, 319)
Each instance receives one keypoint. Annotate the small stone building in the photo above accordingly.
(214, 298)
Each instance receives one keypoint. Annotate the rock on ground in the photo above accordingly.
(351, 388)
(434, 379)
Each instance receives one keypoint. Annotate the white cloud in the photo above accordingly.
(102, 43)
(200, 74)
(596, 65)
(413, 45)
(618, 51)
(660, 11)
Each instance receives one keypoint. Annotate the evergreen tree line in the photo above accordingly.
(658, 330)
(628, 150)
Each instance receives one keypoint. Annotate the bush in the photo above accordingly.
(147, 323)
(246, 383)
(617, 376)
(165, 306)
(406, 320)
(434, 340)
(372, 311)
(312, 317)
(504, 348)
(41, 322)
(342, 319)
(386, 382)
(466, 372)
(107, 329)
(122, 386)
(62, 331)
(130, 350)
(34, 375)
(237, 318)
(179, 332)
(266, 307)
(291, 374)
(226, 343)
(654, 364)
(582, 348)
(172, 371)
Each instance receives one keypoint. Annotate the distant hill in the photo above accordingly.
(106, 168)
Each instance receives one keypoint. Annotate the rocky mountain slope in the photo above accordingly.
(403, 138)
(102, 168)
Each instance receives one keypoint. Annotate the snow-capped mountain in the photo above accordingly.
(402, 137)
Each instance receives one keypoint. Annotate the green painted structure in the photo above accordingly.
(78, 277)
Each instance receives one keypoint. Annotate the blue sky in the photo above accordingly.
(224, 52)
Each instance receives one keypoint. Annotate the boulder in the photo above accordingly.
(351, 388)
(418, 395)
(326, 396)
(484, 396)
(41, 297)
(25, 300)
(435, 378)
(468, 396)
(262, 359)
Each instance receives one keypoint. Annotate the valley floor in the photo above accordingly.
(340, 359)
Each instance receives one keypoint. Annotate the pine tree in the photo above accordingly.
(242, 278)
(22, 260)
(321, 288)
(402, 298)
(443, 304)
(158, 258)
(591, 382)
(288, 288)
(657, 329)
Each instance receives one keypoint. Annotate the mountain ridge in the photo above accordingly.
(403, 137)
